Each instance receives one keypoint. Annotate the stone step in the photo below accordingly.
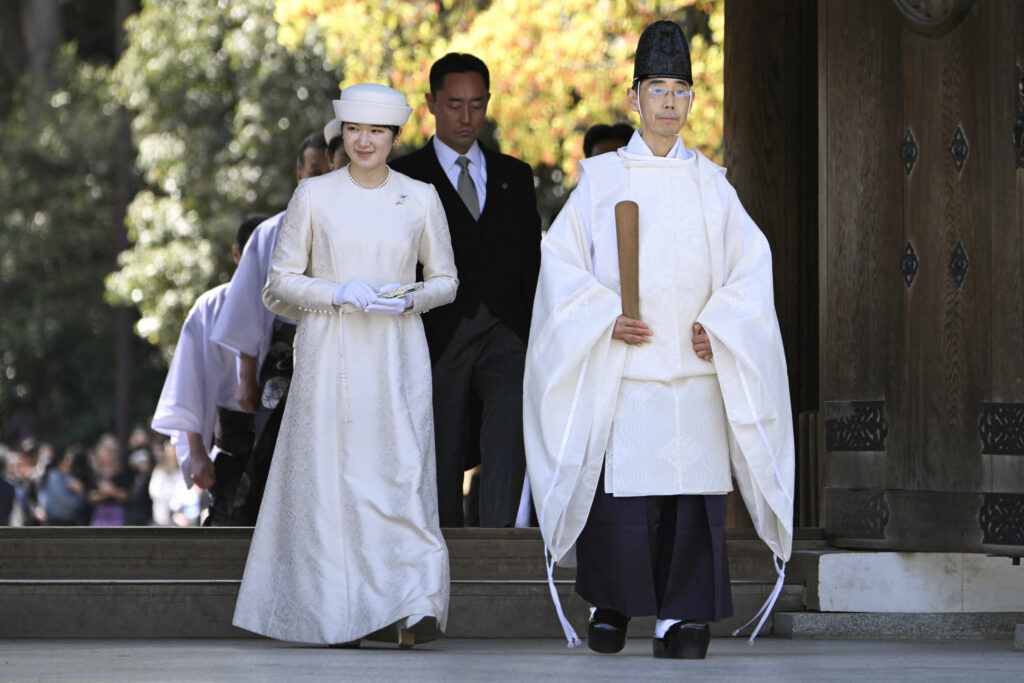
(165, 582)
(896, 626)
(864, 581)
(144, 553)
(159, 553)
(518, 553)
(203, 609)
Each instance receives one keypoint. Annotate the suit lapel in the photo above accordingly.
(432, 167)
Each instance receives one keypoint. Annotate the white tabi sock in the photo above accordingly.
(663, 625)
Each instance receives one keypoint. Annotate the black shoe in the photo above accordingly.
(685, 640)
(606, 632)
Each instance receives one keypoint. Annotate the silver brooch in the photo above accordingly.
(401, 200)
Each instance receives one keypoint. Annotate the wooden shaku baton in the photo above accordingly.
(627, 231)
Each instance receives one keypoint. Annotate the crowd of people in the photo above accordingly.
(96, 486)
(401, 324)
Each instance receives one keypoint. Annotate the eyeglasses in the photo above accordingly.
(661, 91)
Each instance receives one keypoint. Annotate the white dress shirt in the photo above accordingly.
(477, 167)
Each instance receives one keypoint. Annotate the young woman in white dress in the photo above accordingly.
(347, 544)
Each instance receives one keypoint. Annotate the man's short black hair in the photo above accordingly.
(457, 63)
(338, 141)
(314, 141)
(246, 228)
(602, 131)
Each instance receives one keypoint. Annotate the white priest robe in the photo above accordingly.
(347, 541)
(575, 371)
(201, 378)
(245, 324)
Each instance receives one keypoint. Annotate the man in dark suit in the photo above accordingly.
(478, 343)
(7, 496)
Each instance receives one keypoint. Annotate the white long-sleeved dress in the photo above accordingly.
(348, 541)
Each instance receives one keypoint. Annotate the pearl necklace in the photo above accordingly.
(364, 187)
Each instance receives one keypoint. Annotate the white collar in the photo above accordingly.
(446, 156)
(638, 147)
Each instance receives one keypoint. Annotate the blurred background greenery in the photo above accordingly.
(136, 136)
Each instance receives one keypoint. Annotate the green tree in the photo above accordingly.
(59, 219)
(220, 108)
(223, 92)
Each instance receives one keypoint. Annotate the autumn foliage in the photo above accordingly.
(556, 67)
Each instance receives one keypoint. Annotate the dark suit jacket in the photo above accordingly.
(7, 498)
(498, 256)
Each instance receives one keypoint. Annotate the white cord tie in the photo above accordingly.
(769, 604)
(345, 405)
(549, 561)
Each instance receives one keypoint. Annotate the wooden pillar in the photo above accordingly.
(771, 151)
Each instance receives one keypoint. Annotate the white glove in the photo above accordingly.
(389, 305)
(356, 292)
(395, 306)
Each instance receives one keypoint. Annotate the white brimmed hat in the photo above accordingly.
(332, 130)
(372, 103)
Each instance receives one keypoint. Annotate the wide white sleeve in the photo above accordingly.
(288, 286)
(184, 455)
(750, 361)
(244, 324)
(185, 404)
(182, 402)
(440, 279)
(573, 370)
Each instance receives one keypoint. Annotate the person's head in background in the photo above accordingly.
(460, 85)
(337, 157)
(312, 159)
(243, 234)
(602, 138)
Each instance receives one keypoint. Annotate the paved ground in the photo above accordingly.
(494, 661)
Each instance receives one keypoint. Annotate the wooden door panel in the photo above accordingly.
(862, 201)
(943, 374)
(921, 219)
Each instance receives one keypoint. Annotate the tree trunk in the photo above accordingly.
(42, 29)
(123, 315)
(13, 51)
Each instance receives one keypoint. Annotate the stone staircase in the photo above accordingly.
(857, 594)
(152, 582)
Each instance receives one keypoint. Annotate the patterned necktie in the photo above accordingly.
(467, 189)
